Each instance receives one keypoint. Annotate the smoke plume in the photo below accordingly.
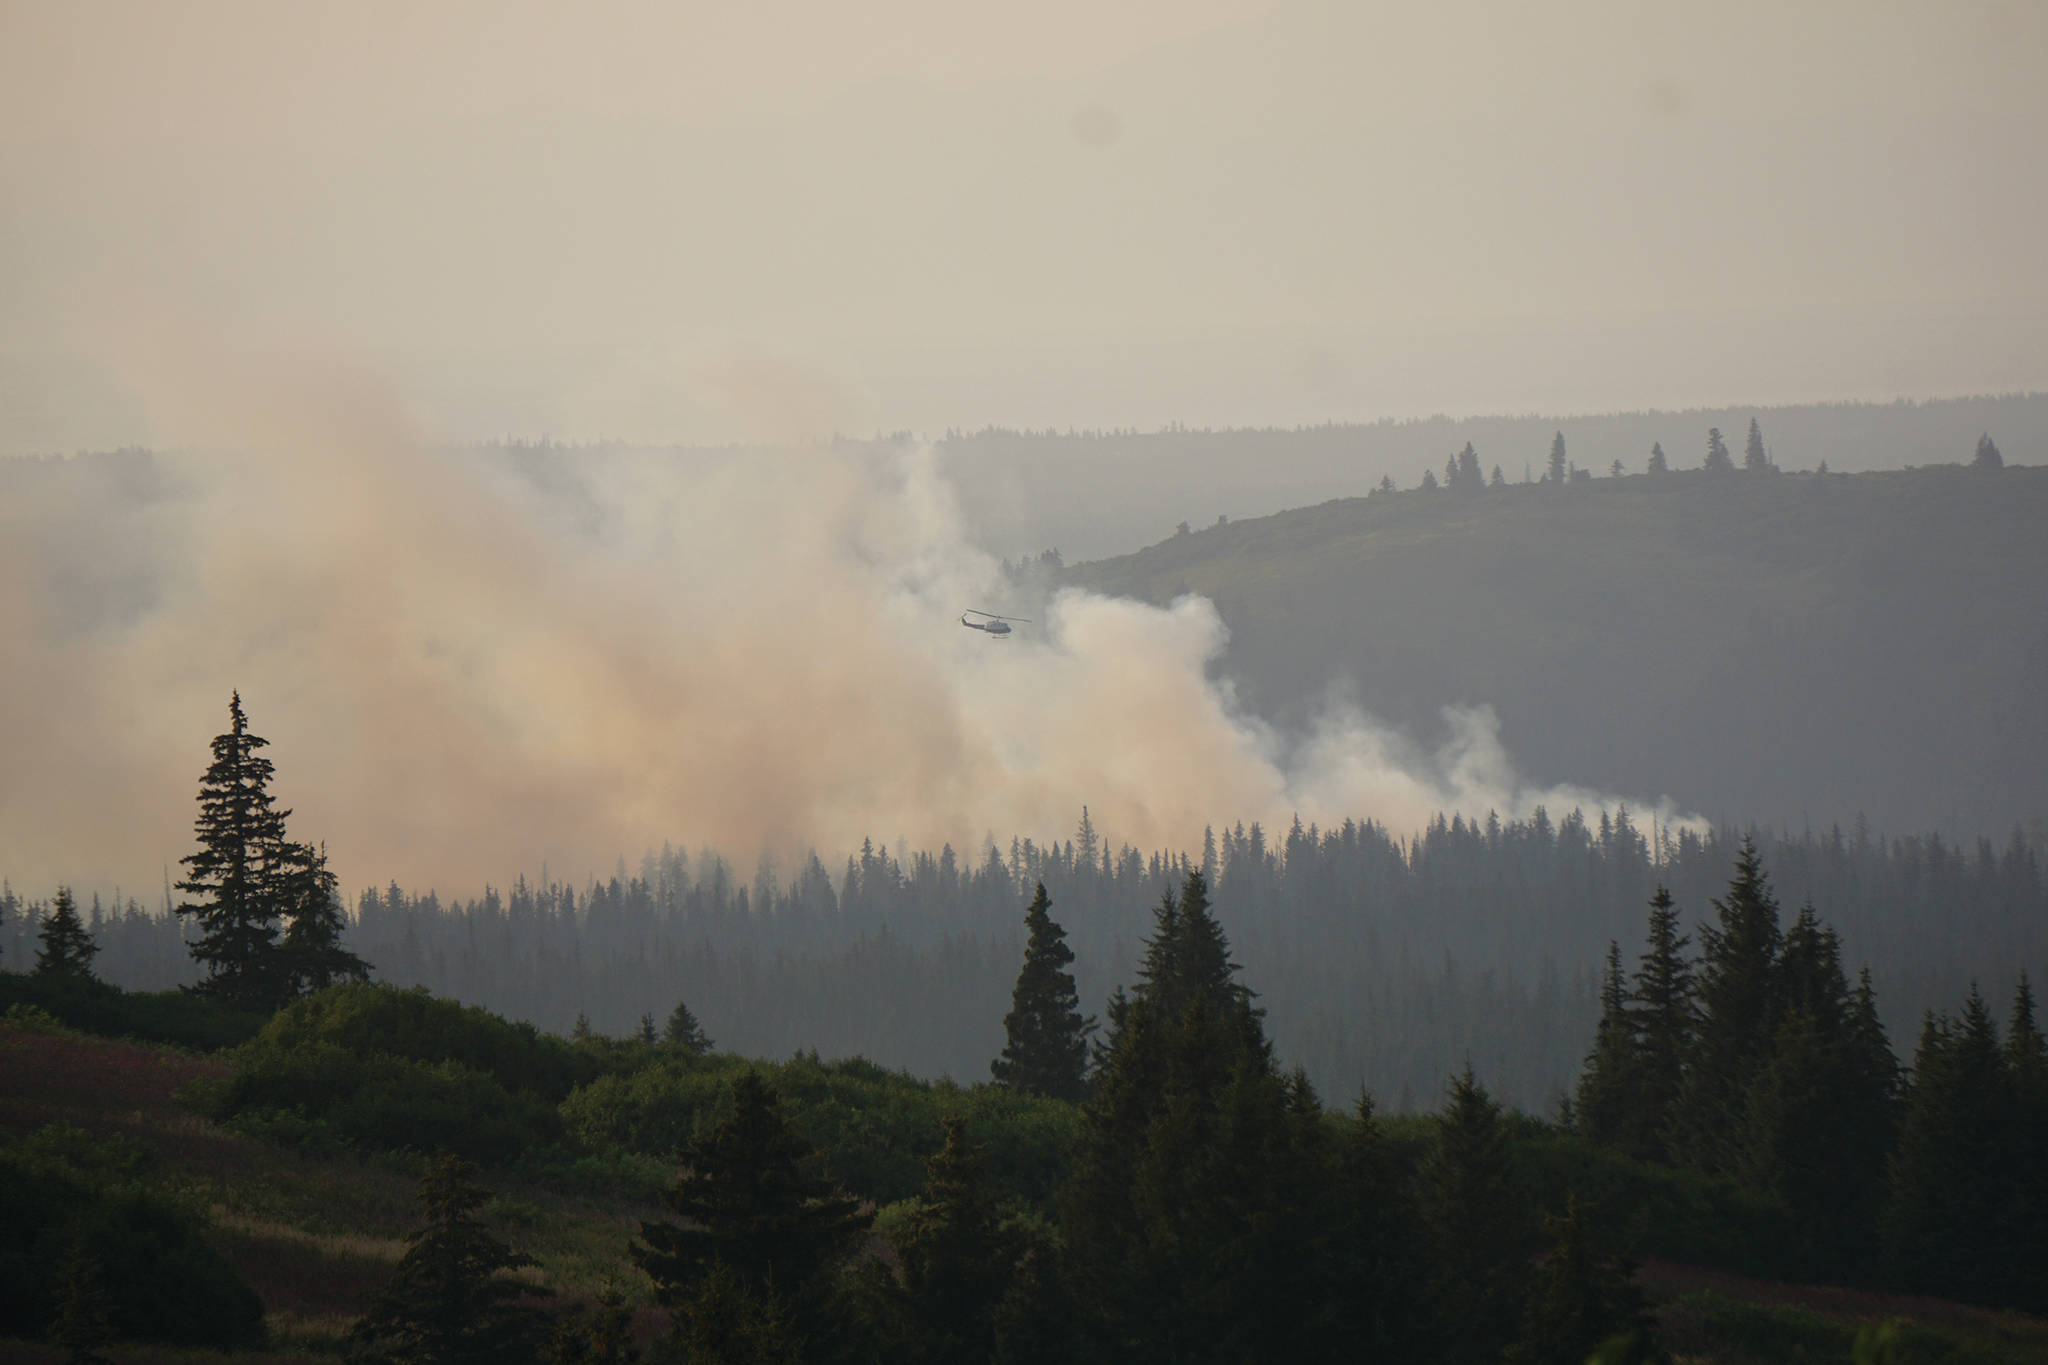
(470, 664)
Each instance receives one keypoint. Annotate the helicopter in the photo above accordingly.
(995, 625)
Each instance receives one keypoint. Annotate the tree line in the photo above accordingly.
(1388, 960)
(1756, 1058)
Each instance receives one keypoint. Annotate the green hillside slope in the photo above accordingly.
(1783, 647)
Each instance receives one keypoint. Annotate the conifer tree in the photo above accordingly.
(1665, 1014)
(67, 949)
(1950, 1221)
(451, 1299)
(312, 957)
(749, 1207)
(1658, 464)
(1738, 1008)
(1987, 456)
(1180, 1207)
(648, 1035)
(1479, 1240)
(1753, 457)
(1555, 471)
(956, 1254)
(597, 1334)
(1583, 1304)
(85, 1310)
(1717, 453)
(1046, 1047)
(1379, 1279)
(233, 876)
(684, 1032)
(1609, 1103)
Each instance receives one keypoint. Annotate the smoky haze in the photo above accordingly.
(470, 665)
(609, 220)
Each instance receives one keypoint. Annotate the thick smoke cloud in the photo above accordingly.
(473, 664)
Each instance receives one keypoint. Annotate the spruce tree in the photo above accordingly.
(1584, 1305)
(1950, 1223)
(1753, 457)
(1738, 1017)
(67, 949)
(1046, 1047)
(648, 1036)
(1379, 1278)
(1609, 1102)
(1478, 1234)
(1987, 456)
(957, 1256)
(85, 1310)
(756, 1228)
(684, 1032)
(312, 957)
(1555, 471)
(1717, 453)
(1665, 1013)
(1184, 1204)
(451, 1300)
(233, 877)
(1658, 464)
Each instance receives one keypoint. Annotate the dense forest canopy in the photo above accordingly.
(1382, 960)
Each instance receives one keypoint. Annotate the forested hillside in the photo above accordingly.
(1790, 648)
(1096, 493)
(1382, 961)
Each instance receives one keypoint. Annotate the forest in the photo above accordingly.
(1159, 1179)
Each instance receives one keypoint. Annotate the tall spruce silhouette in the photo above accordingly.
(67, 948)
(270, 923)
(451, 1301)
(1739, 1007)
(759, 1234)
(1754, 457)
(233, 877)
(1046, 1052)
(1718, 461)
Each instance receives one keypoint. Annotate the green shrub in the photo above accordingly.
(63, 1192)
(179, 1018)
(368, 1020)
(873, 1126)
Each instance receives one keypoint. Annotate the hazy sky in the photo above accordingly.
(697, 222)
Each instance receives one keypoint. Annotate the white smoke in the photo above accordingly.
(469, 665)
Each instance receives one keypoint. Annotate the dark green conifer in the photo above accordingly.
(1380, 1280)
(1754, 459)
(1181, 1204)
(957, 1256)
(233, 876)
(1046, 1047)
(1949, 1224)
(85, 1310)
(1987, 456)
(1478, 1232)
(1609, 1106)
(312, 957)
(1665, 1013)
(685, 1033)
(595, 1334)
(1738, 1018)
(1555, 471)
(67, 949)
(1718, 461)
(1658, 464)
(747, 1202)
(1584, 1304)
(451, 1301)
